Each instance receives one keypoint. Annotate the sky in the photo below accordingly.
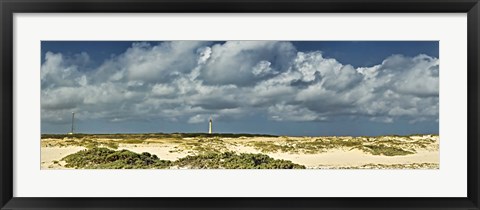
(297, 88)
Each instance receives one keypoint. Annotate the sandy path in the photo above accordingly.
(50, 154)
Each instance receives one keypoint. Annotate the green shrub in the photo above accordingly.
(132, 141)
(104, 158)
(230, 160)
(385, 150)
(112, 145)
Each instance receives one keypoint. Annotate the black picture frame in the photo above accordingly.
(9, 7)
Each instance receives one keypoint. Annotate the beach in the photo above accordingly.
(386, 152)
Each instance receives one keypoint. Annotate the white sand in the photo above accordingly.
(331, 159)
(345, 158)
(50, 154)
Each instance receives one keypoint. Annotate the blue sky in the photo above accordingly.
(284, 88)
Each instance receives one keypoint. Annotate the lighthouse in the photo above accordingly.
(73, 120)
(210, 126)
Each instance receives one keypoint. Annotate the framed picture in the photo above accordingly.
(239, 105)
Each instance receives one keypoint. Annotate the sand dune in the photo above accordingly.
(426, 156)
(51, 155)
(354, 158)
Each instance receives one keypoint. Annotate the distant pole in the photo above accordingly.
(210, 126)
(73, 120)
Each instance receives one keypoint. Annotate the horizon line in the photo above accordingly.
(220, 133)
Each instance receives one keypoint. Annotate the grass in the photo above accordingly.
(204, 145)
(201, 143)
(104, 158)
(230, 160)
(215, 152)
(112, 145)
(272, 147)
(385, 150)
(318, 145)
(410, 144)
(386, 147)
(143, 136)
(84, 142)
(132, 141)
(394, 166)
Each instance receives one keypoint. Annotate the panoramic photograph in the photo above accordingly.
(237, 104)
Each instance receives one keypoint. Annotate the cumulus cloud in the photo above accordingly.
(190, 81)
(283, 112)
(242, 62)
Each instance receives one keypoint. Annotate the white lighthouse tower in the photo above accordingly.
(210, 126)
(73, 120)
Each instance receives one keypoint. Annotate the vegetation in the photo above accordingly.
(306, 146)
(394, 166)
(384, 150)
(230, 160)
(271, 147)
(83, 142)
(204, 145)
(218, 150)
(143, 136)
(386, 146)
(132, 141)
(222, 151)
(104, 158)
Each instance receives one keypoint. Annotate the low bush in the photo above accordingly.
(385, 150)
(230, 160)
(132, 141)
(104, 158)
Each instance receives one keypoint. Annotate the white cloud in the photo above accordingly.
(162, 62)
(282, 112)
(163, 90)
(57, 71)
(190, 81)
(198, 119)
(233, 62)
(262, 69)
